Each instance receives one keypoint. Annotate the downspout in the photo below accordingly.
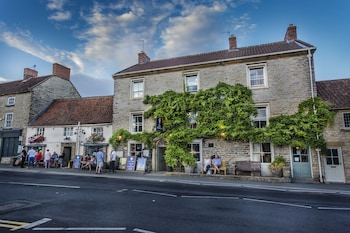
(309, 55)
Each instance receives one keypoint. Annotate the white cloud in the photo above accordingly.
(192, 31)
(60, 16)
(55, 4)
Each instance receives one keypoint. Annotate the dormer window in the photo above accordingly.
(11, 101)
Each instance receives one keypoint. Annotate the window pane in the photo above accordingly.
(136, 125)
(256, 76)
(346, 119)
(191, 83)
(137, 89)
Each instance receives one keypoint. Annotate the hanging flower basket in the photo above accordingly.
(96, 138)
(36, 138)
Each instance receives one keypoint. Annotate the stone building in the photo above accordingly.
(336, 164)
(74, 126)
(22, 100)
(280, 75)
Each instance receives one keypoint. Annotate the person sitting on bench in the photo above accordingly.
(216, 162)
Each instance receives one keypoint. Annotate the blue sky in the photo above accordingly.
(101, 37)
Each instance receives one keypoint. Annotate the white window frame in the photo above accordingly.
(191, 81)
(346, 120)
(40, 131)
(135, 124)
(261, 118)
(137, 88)
(195, 149)
(259, 155)
(264, 80)
(135, 148)
(98, 131)
(68, 131)
(11, 101)
(8, 123)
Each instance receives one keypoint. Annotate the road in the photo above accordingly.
(44, 202)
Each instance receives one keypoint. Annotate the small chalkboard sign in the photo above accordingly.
(130, 163)
(141, 164)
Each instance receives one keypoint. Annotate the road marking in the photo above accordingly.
(46, 185)
(210, 197)
(39, 222)
(12, 225)
(278, 203)
(156, 193)
(79, 229)
(142, 231)
(333, 208)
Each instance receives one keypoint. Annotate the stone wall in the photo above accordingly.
(52, 88)
(288, 85)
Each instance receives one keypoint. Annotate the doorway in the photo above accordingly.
(334, 169)
(67, 151)
(301, 163)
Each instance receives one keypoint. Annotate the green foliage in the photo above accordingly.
(277, 164)
(226, 111)
(120, 137)
(303, 128)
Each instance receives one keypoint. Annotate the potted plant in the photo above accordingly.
(189, 162)
(277, 165)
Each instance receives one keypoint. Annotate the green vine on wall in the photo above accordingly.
(226, 111)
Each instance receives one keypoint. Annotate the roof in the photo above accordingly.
(21, 86)
(90, 110)
(239, 53)
(336, 92)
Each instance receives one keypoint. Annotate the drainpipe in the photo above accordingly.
(309, 55)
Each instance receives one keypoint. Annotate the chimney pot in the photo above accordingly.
(143, 58)
(291, 33)
(61, 71)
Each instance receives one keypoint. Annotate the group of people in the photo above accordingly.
(35, 156)
(98, 159)
(214, 161)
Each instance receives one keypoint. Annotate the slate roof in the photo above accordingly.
(239, 53)
(89, 110)
(336, 92)
(21, 86)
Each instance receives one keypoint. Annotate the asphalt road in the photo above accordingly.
(47, 202)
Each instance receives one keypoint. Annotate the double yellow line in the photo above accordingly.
(12, 225)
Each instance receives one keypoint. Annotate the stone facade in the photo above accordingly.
(288, 72)
(32, 95)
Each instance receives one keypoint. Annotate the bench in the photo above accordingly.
(247, 166)
(221, 168)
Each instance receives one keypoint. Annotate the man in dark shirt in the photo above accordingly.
(24, 157)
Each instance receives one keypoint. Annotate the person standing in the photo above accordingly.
(24, 156)
(31, 157)
(113, 158)
(99, 160)
(47, 158)
(55, 159)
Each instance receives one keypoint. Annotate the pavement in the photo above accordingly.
(256, 182)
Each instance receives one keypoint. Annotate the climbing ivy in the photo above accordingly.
(226, 111)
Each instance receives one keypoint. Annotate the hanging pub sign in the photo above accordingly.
(130, 163)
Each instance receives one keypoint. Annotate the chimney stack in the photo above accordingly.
(143, 58)
(61, 71)
(291, 33)
(232, 42)
(29, 73)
